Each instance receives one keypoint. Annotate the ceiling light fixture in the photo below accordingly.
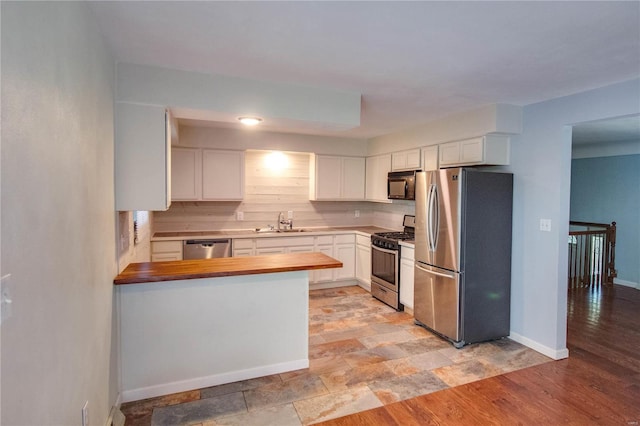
(250, 121)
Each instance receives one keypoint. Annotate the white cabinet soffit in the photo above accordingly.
(193, 95)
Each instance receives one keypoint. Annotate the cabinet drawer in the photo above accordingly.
(166, 246)
(363, 241)
(162, 257)
(324, 239)
(242, 253)
(345, 239)
(284, 242)
(242, 243)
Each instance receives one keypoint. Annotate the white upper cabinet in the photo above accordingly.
(378, 167)
(336, 178)
(485, 150)
(207, 174)
(406, 160)
(430, 158)
(353, 178)
(222, 175)
(186, 174)
(142, 157)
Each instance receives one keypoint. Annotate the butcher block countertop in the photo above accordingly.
(146, 272)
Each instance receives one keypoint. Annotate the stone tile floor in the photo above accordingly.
(362, 354)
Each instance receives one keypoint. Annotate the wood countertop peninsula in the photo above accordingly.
(147, 272)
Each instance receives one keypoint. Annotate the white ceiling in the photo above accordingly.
(412, 61)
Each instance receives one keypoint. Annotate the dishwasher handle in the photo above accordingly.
(206, 243)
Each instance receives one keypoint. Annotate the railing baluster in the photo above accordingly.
(592, 255)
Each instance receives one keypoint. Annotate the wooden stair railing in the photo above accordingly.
(592, 254)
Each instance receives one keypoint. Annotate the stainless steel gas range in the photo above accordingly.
(385, 263)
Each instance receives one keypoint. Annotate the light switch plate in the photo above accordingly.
(239, 215)
(545, 225)
(290, 214)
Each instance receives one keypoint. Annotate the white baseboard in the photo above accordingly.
(539, 347)
(366, 286)
(332, 284)
(627, 283)
(213, 380)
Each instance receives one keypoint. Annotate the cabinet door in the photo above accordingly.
(363, 264)
(378, 167)
(353, 177)
(450, 153)
(405, 160)
(222, 175)
(322, 275)
(413, 159)
(406, 282)
(472, 151)
(328, 177)
(430, 158)
(346, 253)
(398, 161)
(142, 158)
(186, 174)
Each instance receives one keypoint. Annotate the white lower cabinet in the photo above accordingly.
(345, 252)
(166, 250)
(406, 276)
(363, 259)
(341, 247)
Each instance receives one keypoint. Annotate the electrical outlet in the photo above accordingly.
(239, 215)
(290, 214)
(85, 414)
(357, 213)
(545, 225)
(6, 303)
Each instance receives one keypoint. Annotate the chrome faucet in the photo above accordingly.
(288, 223)
(280, 219)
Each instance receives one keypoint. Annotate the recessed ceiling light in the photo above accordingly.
(250, 121)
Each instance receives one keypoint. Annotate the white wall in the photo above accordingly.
(58, 219)
(221, 98)
(495, 118)
(541, 163)
(608, 149)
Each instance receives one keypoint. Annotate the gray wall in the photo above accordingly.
(603, 190)
(58, 219)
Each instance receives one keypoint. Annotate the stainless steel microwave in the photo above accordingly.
(401, 185)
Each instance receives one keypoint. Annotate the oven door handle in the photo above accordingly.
(394, 252)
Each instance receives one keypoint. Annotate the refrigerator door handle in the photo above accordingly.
(433, 219)
(440, 274)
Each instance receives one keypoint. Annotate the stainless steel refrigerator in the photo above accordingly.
(463, 253)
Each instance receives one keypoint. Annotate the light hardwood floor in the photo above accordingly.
(599, 384)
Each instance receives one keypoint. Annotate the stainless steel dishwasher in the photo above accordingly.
(206, 249)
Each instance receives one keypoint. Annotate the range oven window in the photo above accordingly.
(384, 264)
